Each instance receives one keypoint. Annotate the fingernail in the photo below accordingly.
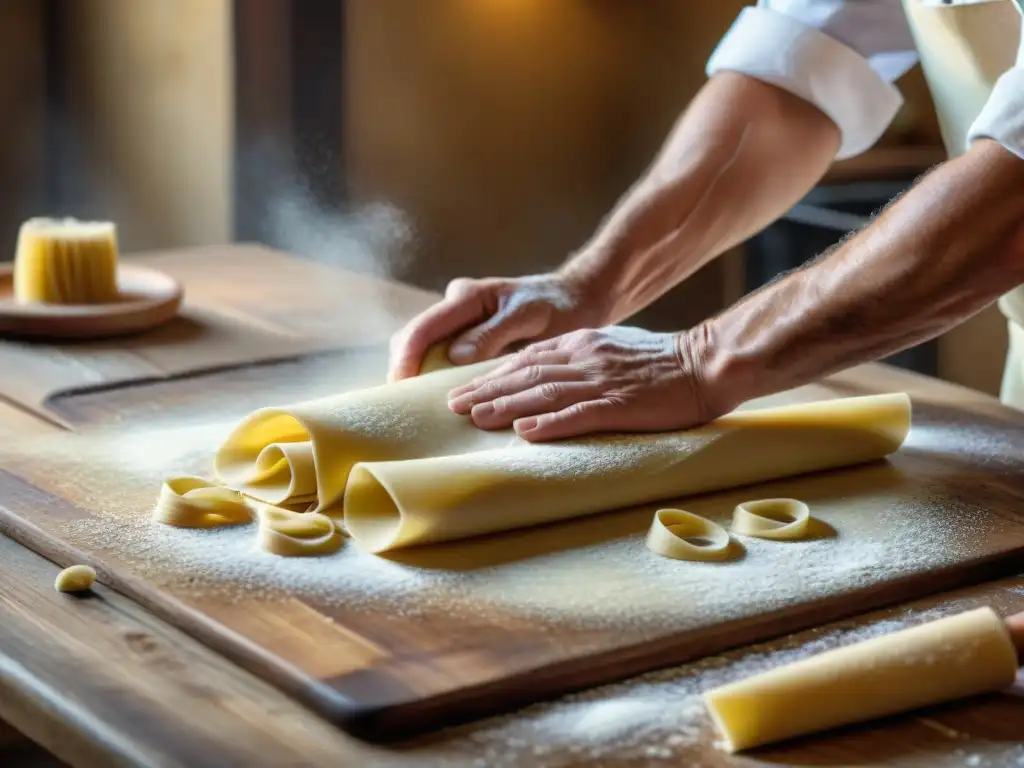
(460, 405)
(463, 352)
(482, 409)
(524, 424)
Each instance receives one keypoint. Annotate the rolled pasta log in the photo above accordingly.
(392, 504)
(962, 655)
(682, 535)
(404, 470)
(779, 519)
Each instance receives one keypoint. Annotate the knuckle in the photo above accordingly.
(532, 373)
(501, 404)
(596, 367)
(525, 357)
(550, 391)
(459, 286)
(577, 410)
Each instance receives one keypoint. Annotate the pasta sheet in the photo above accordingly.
(401, 469)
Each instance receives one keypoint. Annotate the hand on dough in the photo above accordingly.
(488, 317)
(616, 379)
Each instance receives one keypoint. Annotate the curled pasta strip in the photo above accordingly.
(192, 502)
(682, 535)
(778, 519)
(297, 534)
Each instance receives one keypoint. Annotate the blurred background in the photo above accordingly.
(502, 130)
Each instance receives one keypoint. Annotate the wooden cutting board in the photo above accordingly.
(244, 304)
(388, 648)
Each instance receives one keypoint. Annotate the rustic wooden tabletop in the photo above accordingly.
(101, 681)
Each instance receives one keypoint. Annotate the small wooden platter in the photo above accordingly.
(148, 299)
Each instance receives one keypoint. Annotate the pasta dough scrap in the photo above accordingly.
(954, 657)
(66, 261)
(76, 578)
(403, 470)
(296, 534)
(192, 502)
(779, 519)
(682, 535)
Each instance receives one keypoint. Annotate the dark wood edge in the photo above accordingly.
(57, 403)
(408, 719)
(402, 718)
(237, 649)
(50, 401)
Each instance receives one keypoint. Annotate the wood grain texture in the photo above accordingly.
(244, 305)
(551, 735)
(135, 663)
(102, 683)
(388, 673)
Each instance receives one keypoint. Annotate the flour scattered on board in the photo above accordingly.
(593, 573)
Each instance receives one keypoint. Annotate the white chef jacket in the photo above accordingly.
(843, 56)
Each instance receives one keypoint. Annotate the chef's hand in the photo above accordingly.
(492, 315)
(611, 380)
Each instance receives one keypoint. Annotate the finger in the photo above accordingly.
(542, 353)
(579, 419)
(545, 398)
(1015, 624)
(436, 323)
(540, 358)
(513, 384)
(504, 328)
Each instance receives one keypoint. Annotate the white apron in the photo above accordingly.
(964, 48)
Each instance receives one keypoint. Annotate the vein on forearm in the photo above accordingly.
(740, 156)
(938, 255)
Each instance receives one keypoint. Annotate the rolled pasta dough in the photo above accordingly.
(958, 656)
(404, 470)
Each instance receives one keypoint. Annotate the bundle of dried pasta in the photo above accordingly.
(66, 261)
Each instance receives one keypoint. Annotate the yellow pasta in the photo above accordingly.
(954, 657)
(682, 535)
(66, 261)
(77, 578)
(779, 519)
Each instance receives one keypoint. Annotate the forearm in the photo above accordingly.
(944, 251)
(742, 154)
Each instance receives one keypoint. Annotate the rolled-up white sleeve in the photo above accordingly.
(1002, 118)
(840, 55)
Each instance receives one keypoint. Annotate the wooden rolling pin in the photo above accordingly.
(955, 657)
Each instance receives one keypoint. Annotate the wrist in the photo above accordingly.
(721, 383)
(593, 285)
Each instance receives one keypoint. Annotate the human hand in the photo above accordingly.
(492, 315)
(616, 379)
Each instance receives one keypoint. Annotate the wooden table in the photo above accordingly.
(101, 681)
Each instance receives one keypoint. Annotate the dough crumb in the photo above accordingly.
(77, 578)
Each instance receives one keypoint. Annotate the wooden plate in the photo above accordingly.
(148, 299)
